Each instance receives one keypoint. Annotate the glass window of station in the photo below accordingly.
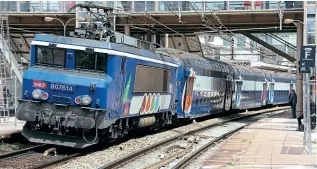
(310, 25)
(39, 6)
(141, 6)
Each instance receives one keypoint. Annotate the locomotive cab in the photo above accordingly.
(64, 93)
(79, 91)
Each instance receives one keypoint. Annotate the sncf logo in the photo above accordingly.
(39, 84)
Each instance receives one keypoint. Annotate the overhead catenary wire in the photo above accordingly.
(214, 27)
(155, 29)
(220, 31)
(219, 21)
(182, 35)
(158, 30)
(179, 18)
(222, 25)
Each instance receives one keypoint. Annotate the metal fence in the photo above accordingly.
(8, 99)
(309, 115)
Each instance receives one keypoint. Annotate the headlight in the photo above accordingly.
(78, 100)
(86, 100)
(44, 96)
(40, 94)
(36, 93)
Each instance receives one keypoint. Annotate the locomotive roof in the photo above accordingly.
(193, 60)
(198, 61)
(77, 43)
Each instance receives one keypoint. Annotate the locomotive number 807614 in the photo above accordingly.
(62, 87)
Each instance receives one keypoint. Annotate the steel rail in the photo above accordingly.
(186, 160)
(183, 162)
(22, 151)
(44, 147)
(123, 160)
(57, 161)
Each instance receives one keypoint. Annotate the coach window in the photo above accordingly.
(50, 56)
(90, 61)
(151, 79)
(197, 98)
(210, 72)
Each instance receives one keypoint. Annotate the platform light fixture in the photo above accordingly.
(49, 19)
(288, 21)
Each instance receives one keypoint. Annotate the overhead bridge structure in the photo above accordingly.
(187, 18)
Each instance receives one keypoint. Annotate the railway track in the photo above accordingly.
(175, 152)
(35, 157)
(25, 150)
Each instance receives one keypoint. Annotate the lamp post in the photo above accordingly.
(299, 76)
(48, 19)
(306, 106)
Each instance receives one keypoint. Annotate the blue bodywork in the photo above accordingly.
(108, 85)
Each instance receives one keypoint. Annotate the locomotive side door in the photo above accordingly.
(228, 94)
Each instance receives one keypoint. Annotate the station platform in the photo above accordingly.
(271, 142)
(8, 127)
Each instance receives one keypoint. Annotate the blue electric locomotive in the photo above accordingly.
(77, 91)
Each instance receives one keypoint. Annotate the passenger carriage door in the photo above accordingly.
(188, 93)
(271, 92)
(238, 88)
(228, 94)
(264, 89)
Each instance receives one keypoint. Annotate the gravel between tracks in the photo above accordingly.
(100, 158)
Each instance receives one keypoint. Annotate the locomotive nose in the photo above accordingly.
(65, 103)
(72, 89)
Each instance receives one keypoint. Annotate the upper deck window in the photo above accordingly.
(50, 56)
(90, 61)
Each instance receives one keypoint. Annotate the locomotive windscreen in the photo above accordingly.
(90, 61)
(50, 56)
